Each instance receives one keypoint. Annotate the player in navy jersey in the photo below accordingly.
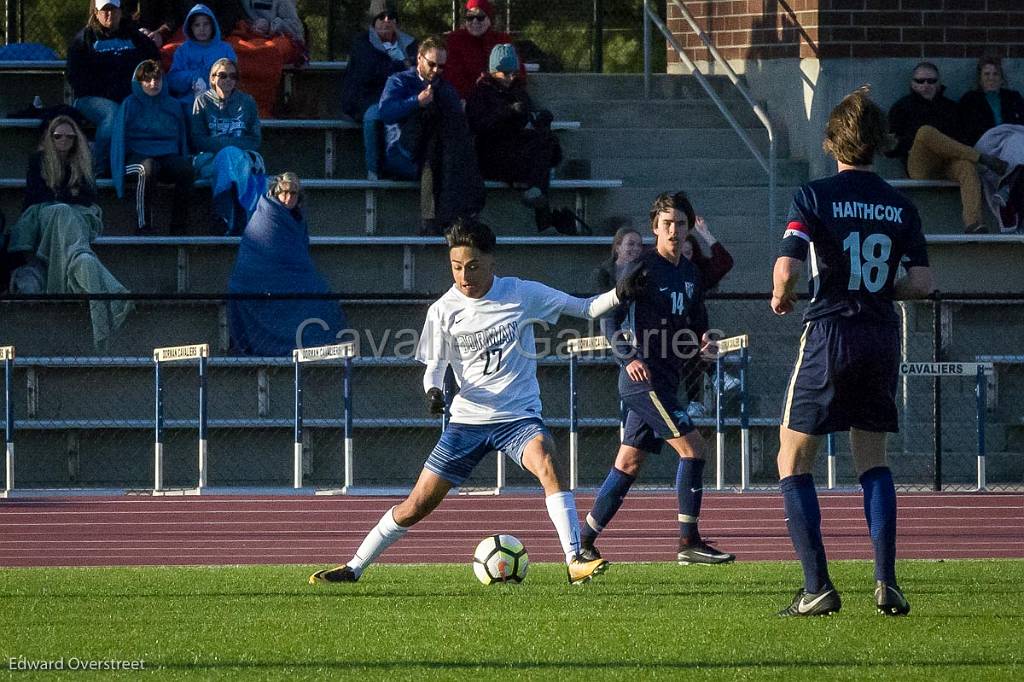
(855, 232)
(652, 340)
(482, 327)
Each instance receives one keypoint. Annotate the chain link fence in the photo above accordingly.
(86, 419)
(592, 35)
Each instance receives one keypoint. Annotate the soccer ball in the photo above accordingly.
(500, 559)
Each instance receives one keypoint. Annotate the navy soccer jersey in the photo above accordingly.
(855, 230)
(664, 322)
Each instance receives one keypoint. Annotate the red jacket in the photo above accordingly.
(468, 57)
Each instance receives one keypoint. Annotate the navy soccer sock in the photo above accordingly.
(690, 490)
(803, 519)
(880, 512)
(609, 499)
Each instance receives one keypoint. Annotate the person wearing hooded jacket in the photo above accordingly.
(187, 77)
(226, 135)
(101, 60)
(376, 54)
(514, 142)
(150, 140)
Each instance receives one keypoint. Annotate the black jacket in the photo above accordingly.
(506, 148)
(976, 115)
(38, 192)
(367, 71)
(913, 111)
(101, 64)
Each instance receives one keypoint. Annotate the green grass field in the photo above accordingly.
(436, 622)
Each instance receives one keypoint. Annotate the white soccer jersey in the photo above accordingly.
(490, 345)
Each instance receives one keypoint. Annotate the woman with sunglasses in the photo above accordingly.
(226, 136)
(376, 54)
(469, 47)
(60, 170)
(50, 243)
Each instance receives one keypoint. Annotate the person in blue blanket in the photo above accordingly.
(274, 258)
(149, 141)
(203, 46)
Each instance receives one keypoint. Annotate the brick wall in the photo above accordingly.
(836, 29)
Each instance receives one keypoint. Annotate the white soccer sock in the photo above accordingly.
(562, 510)
(382, 536)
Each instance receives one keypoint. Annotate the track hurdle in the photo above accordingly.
(575, 347)
(7, 355)
(300, 356)
(979, 370)
(726, 346)
(201, 352)
(830, 447)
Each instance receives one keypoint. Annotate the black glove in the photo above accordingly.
(517, 107)
(632, 282)
(542, 119)
(435, 401)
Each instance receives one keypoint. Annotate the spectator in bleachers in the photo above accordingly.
(274, 258)
(712, 269)
(226, 137)
(278, 19)
(993, 121)
(627, 244)
(101, 61)
(469, 47)
(268, 39)
(162, 20)
(514, 142)
(150, 142)
(59, 221)
(428, 136)
(376, 54)
(157, 20)
(929, 141)
(190, 68)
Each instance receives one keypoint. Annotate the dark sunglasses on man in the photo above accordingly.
(926, 81)
(476, 17)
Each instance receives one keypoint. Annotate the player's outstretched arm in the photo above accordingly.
(918, 283)
(784, 281)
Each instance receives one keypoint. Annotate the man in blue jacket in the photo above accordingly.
(428, 136)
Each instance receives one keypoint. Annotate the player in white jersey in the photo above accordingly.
(483, 328)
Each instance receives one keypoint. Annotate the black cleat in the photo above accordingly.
(339, 574)
(587, 551)
(890, 600)
(821, 603)
(701, 552)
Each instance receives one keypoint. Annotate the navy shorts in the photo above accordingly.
(462, 446)
(652, 418)
(845, 377)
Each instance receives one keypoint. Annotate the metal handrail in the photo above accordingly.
(768, 165)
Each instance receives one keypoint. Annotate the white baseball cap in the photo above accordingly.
(100, 4)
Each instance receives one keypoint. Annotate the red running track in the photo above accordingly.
(106, 531)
